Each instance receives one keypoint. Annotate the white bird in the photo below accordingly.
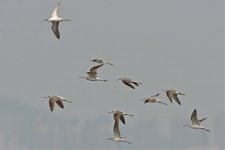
(195, 122)
(153, 99)
(129, 82)
(119, 115)
(92, 74)
(101, 61)
(172, 94)
(55, 19)
(56, 99)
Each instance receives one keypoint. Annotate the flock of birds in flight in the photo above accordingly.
(92, 76)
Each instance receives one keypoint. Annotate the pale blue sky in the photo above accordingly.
(164, 44)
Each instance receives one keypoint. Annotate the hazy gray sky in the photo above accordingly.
(164, 44)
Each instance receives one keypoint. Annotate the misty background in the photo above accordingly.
(163, 44)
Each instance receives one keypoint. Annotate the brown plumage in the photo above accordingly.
(172, 94)
(56, 99)
(129, 82)
(153, 99)
(119, 115)
(92, 74)
(55, 29)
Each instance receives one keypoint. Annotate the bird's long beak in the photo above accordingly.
(109, 139)
(45, 97)
(45, 20)
(67, 20)
(110, 112)
(185, 125)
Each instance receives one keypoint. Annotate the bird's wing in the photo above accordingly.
(176, 98)
(136, 83)
(55, 29)
(125, 114)
(169, 95)
(181, 93)
(60, 98)
(201, 120)
(128, 84)
(60, 103)
(51, 104)
(122, 119)
(94, 69)
(116, 129)
(194, 118)
(92, 75)
(127, 141)
(55, 12)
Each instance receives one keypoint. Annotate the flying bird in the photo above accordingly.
(55, 19)
(101, 61)
(119, 115)
(153, 99)
(129, 82)
(195, 122)
(56, 99)
(92, 74)
(172, 94)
